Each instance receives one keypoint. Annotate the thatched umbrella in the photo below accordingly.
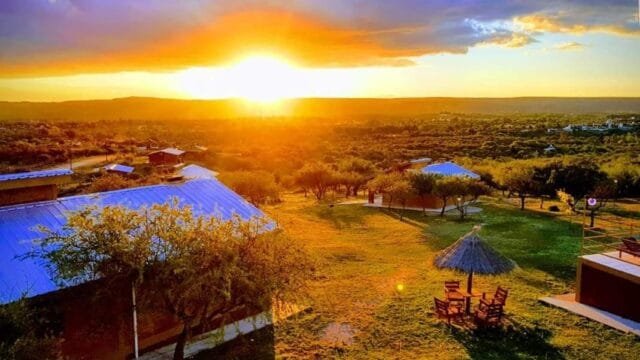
(471, 254)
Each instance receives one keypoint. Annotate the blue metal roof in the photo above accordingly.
(120, 168)
(449, 169)
(19, 223)
(197, 172)
(171, 151)
(35, 174)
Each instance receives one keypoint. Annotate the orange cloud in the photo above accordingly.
(303, 40)
(559, 24)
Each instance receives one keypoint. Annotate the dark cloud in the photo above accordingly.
(45, 37)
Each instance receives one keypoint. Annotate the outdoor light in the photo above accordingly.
(592, 201)
(400, 287)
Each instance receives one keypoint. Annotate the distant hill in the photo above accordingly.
(153, 108)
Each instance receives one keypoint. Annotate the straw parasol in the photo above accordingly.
(472, 255)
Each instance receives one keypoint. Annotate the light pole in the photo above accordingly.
(615, 191)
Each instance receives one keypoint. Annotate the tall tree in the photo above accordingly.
(384, 184)
(469, 191)
(317, 177)
(423, 185)
(579, 179)
(446, 188)
(520, 181)
(198, 269)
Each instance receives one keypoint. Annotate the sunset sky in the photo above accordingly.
(53, 50)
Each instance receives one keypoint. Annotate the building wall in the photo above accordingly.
(609, 291)
(428, 202)
(100, 326)
(28, 194)
(160, 158)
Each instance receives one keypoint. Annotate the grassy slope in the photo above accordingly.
(364, 253)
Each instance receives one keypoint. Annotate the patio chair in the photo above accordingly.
(500, 297)
(488, 315)
(447, 310)
(452, 291)
(629, 246)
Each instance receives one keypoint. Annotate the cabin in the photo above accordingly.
(25, 187)
(607, 277)
(166, 157)
(74, 306)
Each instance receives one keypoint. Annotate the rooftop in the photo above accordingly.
(449, 169)
(171, 151)
(19, 224)
(120, 168)
(35, 174)
(197, 172)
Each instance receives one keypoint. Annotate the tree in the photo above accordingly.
(356, 172)
(423, 185)
(602, 193)
(469, 191)
(316, 177)
(259, 187)
(384, 184)
(578, 179)
(400, 191)
(445, 189)
(519, 180)
(197, 269)
(25, 334)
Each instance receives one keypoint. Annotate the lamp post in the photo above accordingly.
(615, 191)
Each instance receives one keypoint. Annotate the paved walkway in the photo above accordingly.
(568, 303)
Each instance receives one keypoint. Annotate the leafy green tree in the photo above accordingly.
(385, 183)
(423, 185)
(446, 188)
(519, 180)
(400, 192)
(259, 187)
(602, 193)
(469, 191)
(579, 179)
(25, 334)
(317, 178)
(356, 172)
(197, 269)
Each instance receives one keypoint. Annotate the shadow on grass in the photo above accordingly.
(513, 341)
(258, 345)
(531, 239)
(341, 216)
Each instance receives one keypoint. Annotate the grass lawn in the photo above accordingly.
(364, 254)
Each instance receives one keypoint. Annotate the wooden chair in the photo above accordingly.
(452, 292)
(629, 246)
(488, 315)
(500, 297)
(447, 310)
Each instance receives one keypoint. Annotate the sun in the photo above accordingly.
(258, 78)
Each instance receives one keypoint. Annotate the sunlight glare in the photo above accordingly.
(256, 78)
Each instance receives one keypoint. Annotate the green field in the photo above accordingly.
(363, 254)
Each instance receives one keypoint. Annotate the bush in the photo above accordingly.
(554, 208)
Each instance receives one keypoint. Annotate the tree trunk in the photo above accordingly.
(444, 206)
(592, 215)
(522, 199)
(541, 202)
(178, 353)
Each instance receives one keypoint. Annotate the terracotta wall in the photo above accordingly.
(429, 202)
(609, 291)
(161, 158)
(28, 194)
